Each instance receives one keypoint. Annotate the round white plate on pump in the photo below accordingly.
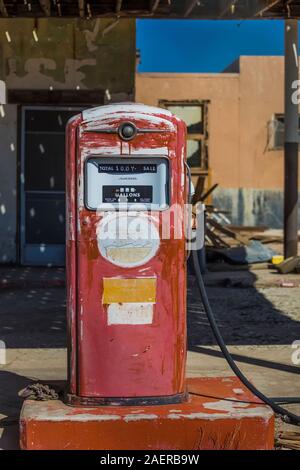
(127, 239)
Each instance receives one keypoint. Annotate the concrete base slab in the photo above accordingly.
(220, 414)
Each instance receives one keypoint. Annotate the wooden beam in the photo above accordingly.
(46, 7)
(288, 6)
(189, 7)
(58, 4)
(118, 5)
(3, 9)
(153, 5)
(21, 96)
(266, 8)
(81, 8)
(229, 5)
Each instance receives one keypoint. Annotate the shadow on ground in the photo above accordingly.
(245, 315)
(11, 403)
(33, 317)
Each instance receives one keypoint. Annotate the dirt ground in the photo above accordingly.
(258, 318)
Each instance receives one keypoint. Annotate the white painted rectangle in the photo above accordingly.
(130, 314)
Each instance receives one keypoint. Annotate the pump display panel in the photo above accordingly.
(122, 182)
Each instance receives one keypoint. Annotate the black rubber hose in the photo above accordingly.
(288, 417)
(286, 400)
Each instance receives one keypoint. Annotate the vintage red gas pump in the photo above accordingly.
(126, 172)
(127, 186)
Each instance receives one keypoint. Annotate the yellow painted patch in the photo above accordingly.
(277, 259)
(117, 290)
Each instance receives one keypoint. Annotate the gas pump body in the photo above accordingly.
(126, 299)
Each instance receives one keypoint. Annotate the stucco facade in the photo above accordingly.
(242, 103)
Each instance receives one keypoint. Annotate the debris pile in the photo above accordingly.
(289, 440)
(289, 265)
(234, 244)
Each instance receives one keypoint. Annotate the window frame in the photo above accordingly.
(202, 138)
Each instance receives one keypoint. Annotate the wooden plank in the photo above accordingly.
(208, 192)
(243, 239)
(118, 5)
(199, 188)
(81, 8)
(3, 9)
(46, 7)
(267, 8)
(248, 228)
(288, 265)
(215, 239)
(154, 5)
(189, 7)
(227, 8)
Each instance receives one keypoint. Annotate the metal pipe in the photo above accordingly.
(291, 141)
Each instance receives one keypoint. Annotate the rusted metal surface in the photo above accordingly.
(143, 353)
(75, 400)
(220, 414)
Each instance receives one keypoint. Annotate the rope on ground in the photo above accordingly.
(39, 392)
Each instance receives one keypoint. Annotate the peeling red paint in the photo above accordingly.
(103, 358)
(201, 423)
(71, 271)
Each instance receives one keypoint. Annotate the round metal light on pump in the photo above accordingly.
(127, 131)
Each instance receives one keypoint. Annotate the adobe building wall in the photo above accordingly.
(242, 102)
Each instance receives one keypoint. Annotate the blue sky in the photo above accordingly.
(204, 46)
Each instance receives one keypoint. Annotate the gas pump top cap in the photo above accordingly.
(127, 131)
(120, 108)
